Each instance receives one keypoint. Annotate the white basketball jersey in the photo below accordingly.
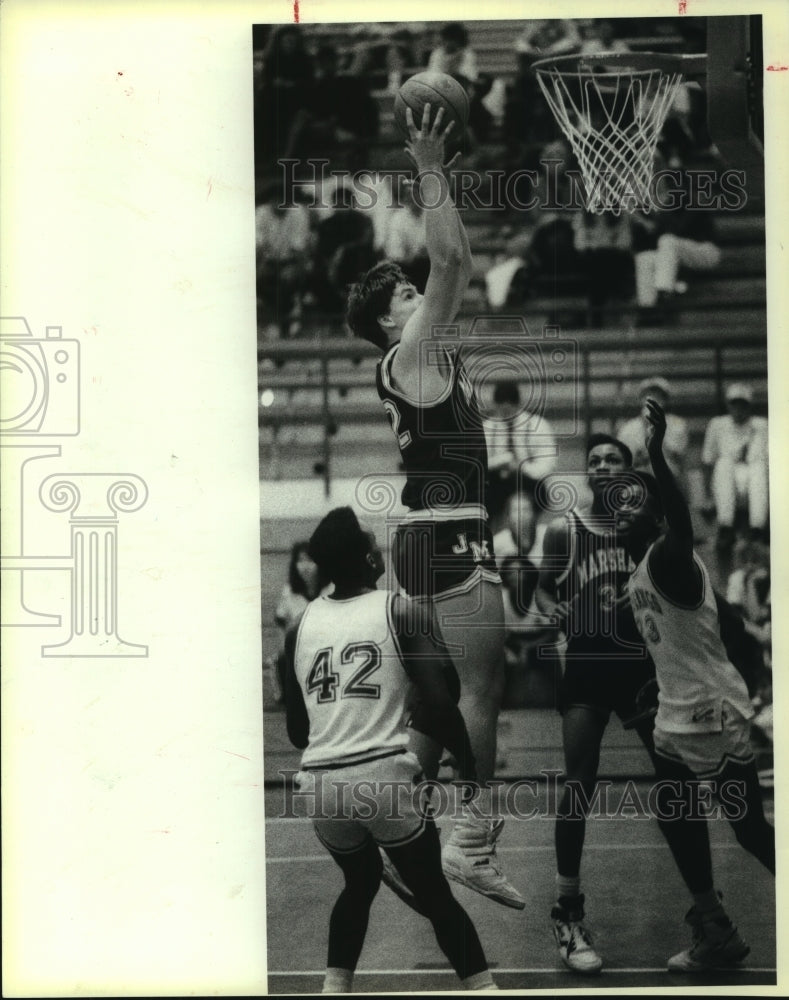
(694, 673)
(350, 671)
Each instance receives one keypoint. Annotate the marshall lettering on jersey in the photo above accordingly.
(595, 578)
(442, 445)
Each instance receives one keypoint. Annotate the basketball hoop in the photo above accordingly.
(612, 106)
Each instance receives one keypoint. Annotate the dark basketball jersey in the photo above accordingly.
(598, 569)
(442, 445)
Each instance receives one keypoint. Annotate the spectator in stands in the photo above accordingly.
(521, 450)
(734, 460)
(345, 249)
(285, 89)
(506, 281)
(681, 237)
(303, 585)
(283, 240)
(598, 36)
(343, 115)
(454, 55)
(402, 238)
(675, 443)
(541, 38)
(604, 245)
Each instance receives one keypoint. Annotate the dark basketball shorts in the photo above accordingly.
(434, 556)
(605, 685)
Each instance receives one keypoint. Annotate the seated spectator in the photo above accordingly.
(603, 243)
(303, 585)
(343, 115)
(598, 36)
(521, 450)
(506, 282)
(542, 38)
(402, 238)
(345, 249)
(671, 239)
(675, 443)
(282, 245)
(454, 55)
(283, 95)
(734, 462)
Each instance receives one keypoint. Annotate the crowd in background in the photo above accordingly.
(319, 98)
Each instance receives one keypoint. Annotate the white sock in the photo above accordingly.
(480, 981)
(338, 981)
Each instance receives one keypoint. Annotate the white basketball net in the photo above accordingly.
(612, 120)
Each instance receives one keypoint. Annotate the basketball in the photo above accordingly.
(439, 90)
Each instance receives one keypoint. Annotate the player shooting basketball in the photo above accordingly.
(443, 549)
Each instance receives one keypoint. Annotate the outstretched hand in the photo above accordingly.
(426, 144)
(656, 426)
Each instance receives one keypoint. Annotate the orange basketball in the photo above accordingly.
(439, 90)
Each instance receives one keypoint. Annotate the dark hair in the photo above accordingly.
(597, 439)
(370, 298)
(295, 579)
(454, 31)
(507, 392)
(339, 547)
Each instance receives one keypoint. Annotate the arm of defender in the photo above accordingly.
(671, 561)
(298, 722)
(428, 666)
(556, 552)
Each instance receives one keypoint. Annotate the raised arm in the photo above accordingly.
(672, 562)
(430, 668)
(449, 253)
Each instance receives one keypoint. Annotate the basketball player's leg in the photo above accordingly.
(582, 733)
(740, 795)
(716, 943)
(472, 625)
(686, 834)
(419, 864)
(471, 620)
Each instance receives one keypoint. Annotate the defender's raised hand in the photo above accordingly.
(656, 426)
(426, 143)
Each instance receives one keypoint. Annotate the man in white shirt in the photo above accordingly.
(521, 450)
(734, 460)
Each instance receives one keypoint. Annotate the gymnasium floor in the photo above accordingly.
(635, 907)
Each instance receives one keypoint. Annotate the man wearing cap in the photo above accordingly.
(734, 460)
(675, 444)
